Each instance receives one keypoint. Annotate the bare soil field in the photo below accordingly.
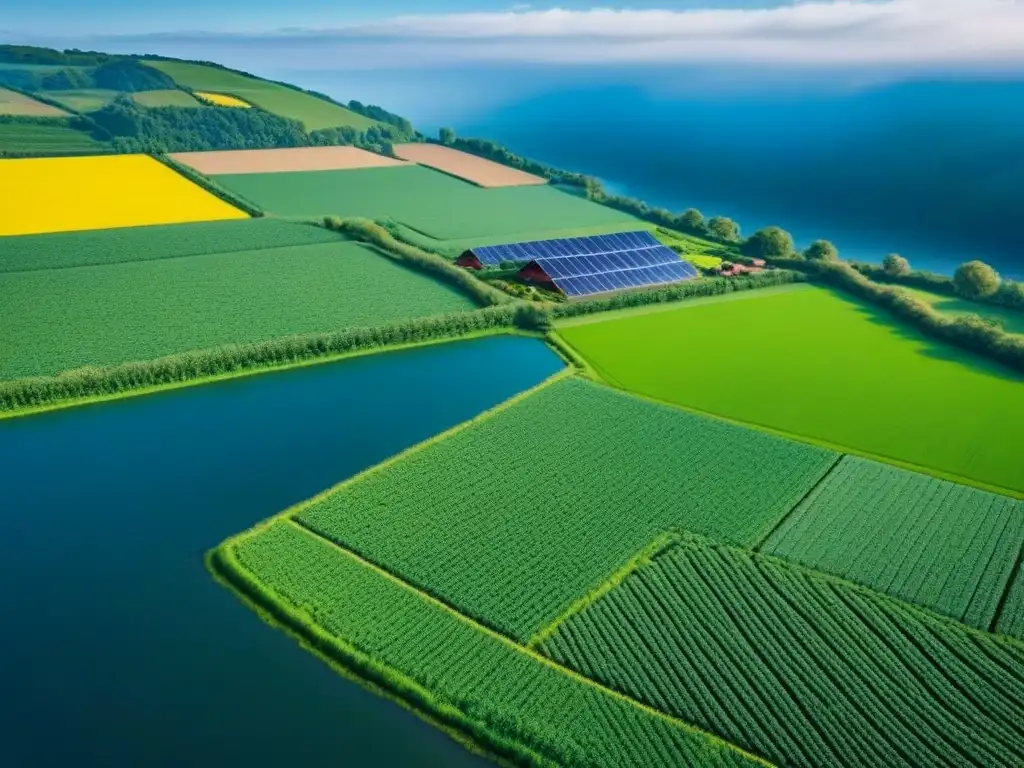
(283, 160)
(483, 173)
(14, 103)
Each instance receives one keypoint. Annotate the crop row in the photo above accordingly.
(944, 546)
(63, 319)
(797, 667)
(506, 699)
(25, 253)
(521, 513)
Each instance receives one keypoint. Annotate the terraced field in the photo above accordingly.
(518, 515)
(312, 112)
(822, 366)
(436, 205)
(455, 671)
(142, 310)
(944, 546)
(798, 668)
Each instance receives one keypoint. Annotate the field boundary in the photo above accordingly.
(1015, 573)
(756, 546)
(211, 186)
(659, 543)
(606, 378)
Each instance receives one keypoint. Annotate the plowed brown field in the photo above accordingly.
(283, 160)
(481, 172)
(14, 103)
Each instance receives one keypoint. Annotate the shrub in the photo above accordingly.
(976, 280)
(821, 250)
(769, 243)
(895, 265)
(724, 229)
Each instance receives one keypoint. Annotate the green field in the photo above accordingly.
(515, 517)
(84, 99)
(60, 319)
(312, 112)
(171, 98)
(944, 546)
(1012, 320)
(26, 253)
(507, 698)
(797, 668)
(1011, 618)
(439, 206)
(817, 364)
(34, 137)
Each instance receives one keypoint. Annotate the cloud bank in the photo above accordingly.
(949, 33)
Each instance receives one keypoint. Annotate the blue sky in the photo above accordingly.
(951, 35)
(75, 17)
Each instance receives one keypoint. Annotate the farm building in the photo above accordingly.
(582, 266)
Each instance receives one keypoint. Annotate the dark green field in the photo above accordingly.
(56, 138)
(60, 319)
(27, 253)
(439, 206)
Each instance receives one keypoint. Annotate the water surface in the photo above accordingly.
(118, 647)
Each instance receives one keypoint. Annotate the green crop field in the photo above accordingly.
(1011, 618)
(59, 319)
(516, 516)
(171, 98)
(33, 137)
(816, 364)
(84, 99)
(311, 111)
(27, 253)
(797, 668)
(505, 696)
(944, 546)
(439, 206)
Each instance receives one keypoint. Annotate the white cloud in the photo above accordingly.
(822, 32)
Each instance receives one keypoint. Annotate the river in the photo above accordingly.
(119, 648)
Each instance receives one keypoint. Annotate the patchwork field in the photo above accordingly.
(434, 204)
(457, 672)
(222, 100)
(312, 112)
(797, 668)
(243, 161)
(479, 171)
(81, 193)
(14, 103)
(516, 516)
(817, 364)
(169, 98)
(27, 253)
(60, 319)
(84, 99)
(944, 546)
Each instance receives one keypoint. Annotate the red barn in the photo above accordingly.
(470, 260)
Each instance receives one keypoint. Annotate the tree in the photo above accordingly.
(724, 229)
(895, 265)
(769, 243)
(975, 280)
(691, 219)
(447, 136)
(1011, 293)
(821, 250)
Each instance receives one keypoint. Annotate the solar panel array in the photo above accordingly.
(580, 266)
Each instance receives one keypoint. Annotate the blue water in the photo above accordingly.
(119, 649)
(929, 168)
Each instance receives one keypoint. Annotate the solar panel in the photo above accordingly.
(581, 266)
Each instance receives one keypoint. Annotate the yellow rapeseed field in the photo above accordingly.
(63, 194)
(222, 99)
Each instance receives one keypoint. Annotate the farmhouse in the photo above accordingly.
(583, 266)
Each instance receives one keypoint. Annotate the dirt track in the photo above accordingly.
(283, 160)
(481, 172)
